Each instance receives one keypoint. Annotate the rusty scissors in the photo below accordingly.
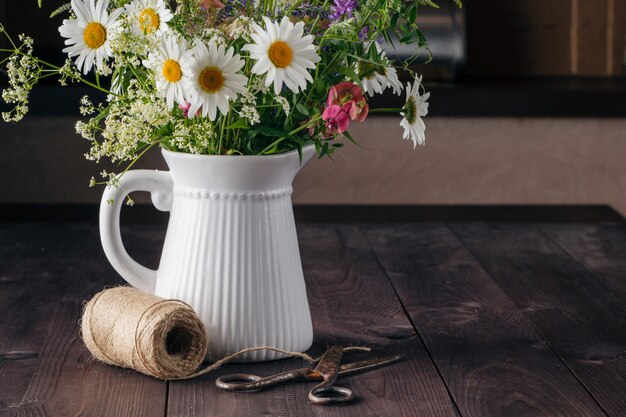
(327, 370)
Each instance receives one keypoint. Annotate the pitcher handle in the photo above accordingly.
(160, 185)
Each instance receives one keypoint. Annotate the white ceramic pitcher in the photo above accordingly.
(231, 250)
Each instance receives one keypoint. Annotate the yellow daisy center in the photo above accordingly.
(410, 110)
(95, 35)
(171, 71)
(280, 54)
(149, 20)
(211, 79)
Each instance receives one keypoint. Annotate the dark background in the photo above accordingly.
(536, 115)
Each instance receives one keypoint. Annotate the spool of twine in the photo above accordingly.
(165, 339)
(125, 327)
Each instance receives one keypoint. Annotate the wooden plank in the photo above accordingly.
(532, 38)
(68, 268)
(28, 293)
(616, 37)
(352, 303)
(591, 33)
(599, 248)
(578, 316)
(489, 354)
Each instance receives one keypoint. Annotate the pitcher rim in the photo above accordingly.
(233, 157)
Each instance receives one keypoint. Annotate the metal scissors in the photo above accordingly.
(327, 370)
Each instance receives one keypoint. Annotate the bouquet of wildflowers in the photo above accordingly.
(225, 77)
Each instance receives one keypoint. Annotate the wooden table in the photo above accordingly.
(497, 319)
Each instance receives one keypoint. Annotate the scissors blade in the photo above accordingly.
(366, 365)
(329, 365)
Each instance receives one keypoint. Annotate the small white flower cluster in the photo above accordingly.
(111, 179)
(129, 125)
(251, 114)
(248, 109)
(284, 103)
(23, 71)
(68, 72)
(258, 85)
(212, 34)
(194, 136)
(241, 28)
(86, 106)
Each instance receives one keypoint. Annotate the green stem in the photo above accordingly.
(387, 110)
(58, 69)
(293, 132)
(137, 158)
(272, 145)
(306, 125)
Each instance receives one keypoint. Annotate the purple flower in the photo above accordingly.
(364, 33)
(342, 7)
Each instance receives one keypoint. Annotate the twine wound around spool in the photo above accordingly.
(125, 327)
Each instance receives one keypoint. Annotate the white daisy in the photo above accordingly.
(149, 17)
(87, 35)
(214, 79)
(415, 108)
(171, 65)
(283, 53)
(376, 82)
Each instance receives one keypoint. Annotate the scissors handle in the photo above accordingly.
(249, 382)
(327, 393)
(330, 394)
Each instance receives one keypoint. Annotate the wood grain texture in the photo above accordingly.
(31, 283)
(580, 318)
(351, 303)
(592, 37)
(599, 248)
(618, 38)
(519, 320)
(489, 354)
(55, 268)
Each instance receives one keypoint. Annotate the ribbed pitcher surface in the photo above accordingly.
(231, 249)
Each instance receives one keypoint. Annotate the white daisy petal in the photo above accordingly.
(283, 53)
(415, 108)
(214, 80)
(149, 17)
(87, 35)
(170, 64)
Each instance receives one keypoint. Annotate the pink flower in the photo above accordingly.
(186, 108)
(337, 118)
(207, 4)
(349, 93)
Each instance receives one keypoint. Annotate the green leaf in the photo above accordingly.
(324, 149)
(302, 109)
(394, 21)
(239, 124)
(412, 14)
(164, 131)
(271, 132)
(64, 8)
(429, 3)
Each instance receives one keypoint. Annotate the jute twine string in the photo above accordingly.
(165, 339)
